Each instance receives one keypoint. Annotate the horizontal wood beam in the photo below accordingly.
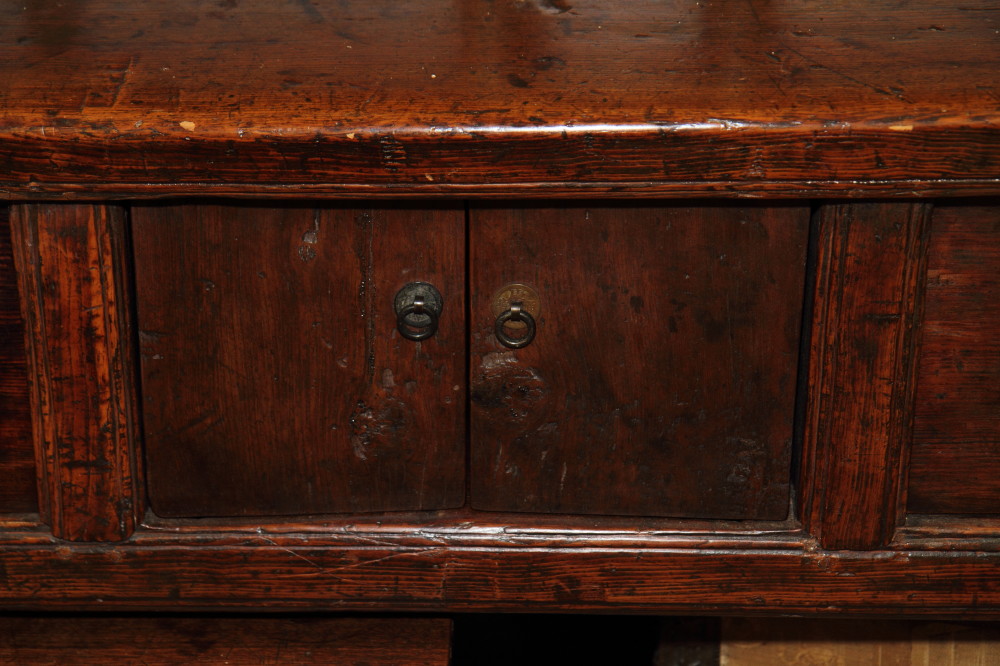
(648, 188)
(258, 571)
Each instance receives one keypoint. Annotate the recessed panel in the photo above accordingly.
(17, 459)
(955, 459)
(274, 379)
(662, 374)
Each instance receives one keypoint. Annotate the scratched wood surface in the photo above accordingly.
(73, 275)
(18, 491)
(434, 95)
(272, 571)
(661, 380)
(117, 639)
(955, 459)
(862, 370)
(274, 380)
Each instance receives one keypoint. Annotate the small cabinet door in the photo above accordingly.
(661, 380)
(274, 380)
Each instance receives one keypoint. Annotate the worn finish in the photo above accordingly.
(274, 379)
(73, 281)
(716, 97)
(18, 491)
(828, 642)
(769, 190)
(233, 640)
(291, 572)
(955, 459)
(491, 531)
(949, 532)
(661, 380)
(870, 276)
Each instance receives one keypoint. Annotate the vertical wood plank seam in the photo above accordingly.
(129, 385)
(891, 388)
(28, 266)
(818, 441)
(910, 350)
(112, 360)
(93, 387)
(840, 241)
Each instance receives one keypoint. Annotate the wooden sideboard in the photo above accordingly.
(758, 242)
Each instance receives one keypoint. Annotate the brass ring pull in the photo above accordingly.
(515, 313)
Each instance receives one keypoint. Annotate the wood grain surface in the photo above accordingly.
(955, 459)
(661, 380)
(63, 640)
(274, 380)
(274, 571)
(717, 97)
(73, 275)
(18, 490)
(830, 642)
(862, 369)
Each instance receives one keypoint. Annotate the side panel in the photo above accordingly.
(18, 491)
(273, 378)
(955, 460)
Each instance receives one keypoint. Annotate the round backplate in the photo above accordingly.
(408, 294)
(513, 293)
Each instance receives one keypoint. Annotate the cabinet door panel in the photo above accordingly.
(273, 378)
(662, 377)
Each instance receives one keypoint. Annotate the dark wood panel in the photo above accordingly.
(444, 93)
(955, 459)
(274, 380)
(338, 641)
(662, 377)
(277, 571)
(73, 275)
(18, 491)
(861, 370)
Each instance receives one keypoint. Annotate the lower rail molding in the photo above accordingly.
(274, 576)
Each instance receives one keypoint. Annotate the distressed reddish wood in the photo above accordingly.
(105, 99)
(18, 491)
(436, 94)
(870, 277)
(949, 532)
(771, 190)
(661, 380)
(117, 639)
(955, 460)
(274, 380)
(73, 279)
(295, 572)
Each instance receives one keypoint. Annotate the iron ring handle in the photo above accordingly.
(515, 313)
(411, 331)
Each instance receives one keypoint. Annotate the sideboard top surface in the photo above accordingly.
(663, 95)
